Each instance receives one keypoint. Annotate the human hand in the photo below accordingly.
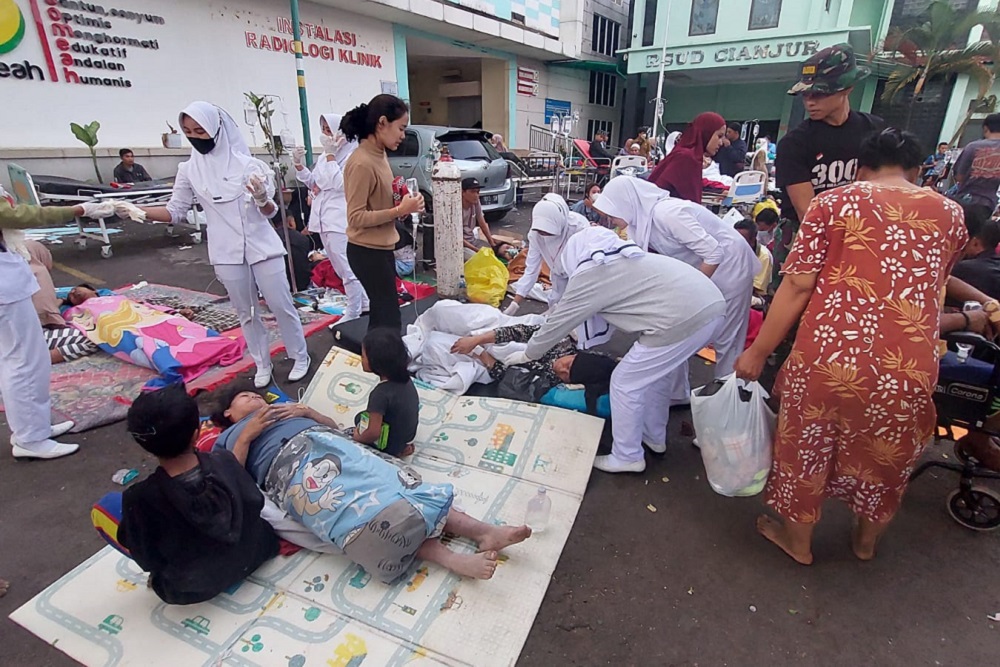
(332, 144)
(186, 313)
(130, 211)
(486, 359)
(464, 345)
(299, 157)
(283, 411)
(260, 421)
(749, 365)
(98, 209)
(512, 308)
(257, 189)
(411, 204)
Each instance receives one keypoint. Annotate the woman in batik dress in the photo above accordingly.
(865, 276)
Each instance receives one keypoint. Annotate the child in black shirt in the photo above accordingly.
(390, 423)
(194, 524)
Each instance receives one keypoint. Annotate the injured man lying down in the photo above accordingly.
(196, 522)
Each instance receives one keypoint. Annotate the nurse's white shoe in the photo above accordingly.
(300, 369)
(609, 463)
(262, 378)
(46, 449)
(656, 449)
(62, 428)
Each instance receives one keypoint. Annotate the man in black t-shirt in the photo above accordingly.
(822, 152)
(981, 267)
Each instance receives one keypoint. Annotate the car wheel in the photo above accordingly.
(495, 216)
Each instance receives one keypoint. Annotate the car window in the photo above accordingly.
(409, 147)
(472, 149)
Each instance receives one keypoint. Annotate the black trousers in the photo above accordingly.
(376, 269)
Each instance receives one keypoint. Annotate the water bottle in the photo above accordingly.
(539, 507)
(970, 306)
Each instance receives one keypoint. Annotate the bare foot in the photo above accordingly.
(775, 532)
(501, 537)
(478, 566)
(4, 587)
(862, 549)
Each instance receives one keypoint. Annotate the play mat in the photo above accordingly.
(311, 610)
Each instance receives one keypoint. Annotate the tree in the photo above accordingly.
(938, 47)
(88, 135)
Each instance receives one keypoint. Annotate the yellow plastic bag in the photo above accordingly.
(485, 278)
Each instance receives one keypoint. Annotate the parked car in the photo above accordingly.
(474, 156)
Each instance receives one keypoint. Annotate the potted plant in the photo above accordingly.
(171, 139)
(88, 135)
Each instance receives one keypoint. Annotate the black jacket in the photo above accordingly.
(197, 540)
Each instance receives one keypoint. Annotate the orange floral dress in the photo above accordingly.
(856, 390)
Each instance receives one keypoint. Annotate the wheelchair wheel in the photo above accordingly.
(977, 509)
(960, 453)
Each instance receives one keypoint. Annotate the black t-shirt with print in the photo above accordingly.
(824, 154)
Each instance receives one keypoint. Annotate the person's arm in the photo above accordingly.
(25, 216)
(793, 173)
(378, 404)
(963, 165)
(119, 173)
(181, 201)
(483, 227)
(976, 321)
(143, 174)
(577, 304)
(304, 175)
(254, 427)
(801, 195)
(328, 175)
(690, 233)
(532, 268)
(280, 411)
(466, 344)
(132, 536)
(362, 181)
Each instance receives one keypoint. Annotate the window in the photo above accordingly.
(603, 88)
(469, 148)
(409, 147)
(704, 16)
(764, 14)
(604, 36)
(603, 125)
(649, 23)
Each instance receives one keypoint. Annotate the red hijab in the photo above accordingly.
(680, 171)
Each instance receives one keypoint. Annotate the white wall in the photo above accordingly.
(202, 54)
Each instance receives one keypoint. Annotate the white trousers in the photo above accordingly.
(335, 244)
(24, 372)
(641, 388)
(242, 282)
(732, 337)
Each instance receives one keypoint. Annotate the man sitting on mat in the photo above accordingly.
(194, 524)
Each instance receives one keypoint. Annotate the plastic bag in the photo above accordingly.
(735, 433)
(485, 278)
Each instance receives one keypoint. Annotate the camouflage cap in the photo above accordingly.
(829, 71)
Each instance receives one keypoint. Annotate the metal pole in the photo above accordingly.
(300, 71)
(448, 251)
(658, 110)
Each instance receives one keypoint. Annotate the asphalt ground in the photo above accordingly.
(691, 584)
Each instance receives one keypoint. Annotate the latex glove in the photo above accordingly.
(332, 144)
(517, 358)
(255, 186)
(299, 157)
(512, 308)
(98, 209)
(124, 209)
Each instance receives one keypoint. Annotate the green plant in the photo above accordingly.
(88, 135)
(263, 106)
(938, 47)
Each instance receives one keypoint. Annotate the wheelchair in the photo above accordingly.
(967, 394)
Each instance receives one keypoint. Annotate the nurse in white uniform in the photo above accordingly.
(25, 365)
(329, 206)
(236, 191)
(693, 234)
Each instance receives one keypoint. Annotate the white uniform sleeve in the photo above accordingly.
(328, 175)
(305, 176)
(181, 199)
(577, 305)
(692, 235)
(532, 267)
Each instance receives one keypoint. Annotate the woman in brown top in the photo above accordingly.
(371, 209)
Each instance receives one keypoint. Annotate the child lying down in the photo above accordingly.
(371, 507)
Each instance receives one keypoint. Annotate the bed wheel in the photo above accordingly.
(106, 252)
(977, 508)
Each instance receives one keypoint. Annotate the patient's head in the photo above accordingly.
(164, 422)
(562, 366)
(80, 293)
(236, 401)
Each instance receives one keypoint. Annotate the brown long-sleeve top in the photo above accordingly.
(371, 210)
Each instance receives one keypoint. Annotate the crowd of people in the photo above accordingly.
(850, 267)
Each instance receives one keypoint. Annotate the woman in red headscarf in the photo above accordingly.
(680, 171)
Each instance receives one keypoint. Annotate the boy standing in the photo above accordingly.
(195, 523)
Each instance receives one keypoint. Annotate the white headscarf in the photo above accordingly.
(596, 246)
(14, 239)
(633, 200)
(671, 141)
(552, 216)
(345, 150)
(221, 173)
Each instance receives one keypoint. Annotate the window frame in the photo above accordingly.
(777, 18)
(715, 25)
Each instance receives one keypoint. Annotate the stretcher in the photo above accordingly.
(43, 190)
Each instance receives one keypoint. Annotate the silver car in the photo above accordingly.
(474, 156)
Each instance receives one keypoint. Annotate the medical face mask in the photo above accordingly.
(203, 146)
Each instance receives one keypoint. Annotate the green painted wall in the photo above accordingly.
(765, 101)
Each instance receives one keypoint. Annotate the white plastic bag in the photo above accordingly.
(735, 434)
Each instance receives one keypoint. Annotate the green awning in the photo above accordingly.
(589, 65)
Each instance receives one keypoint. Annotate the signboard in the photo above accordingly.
(731, 54)
(527, 81)
(556, 108)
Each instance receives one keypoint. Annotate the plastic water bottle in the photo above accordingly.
(539, 507)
